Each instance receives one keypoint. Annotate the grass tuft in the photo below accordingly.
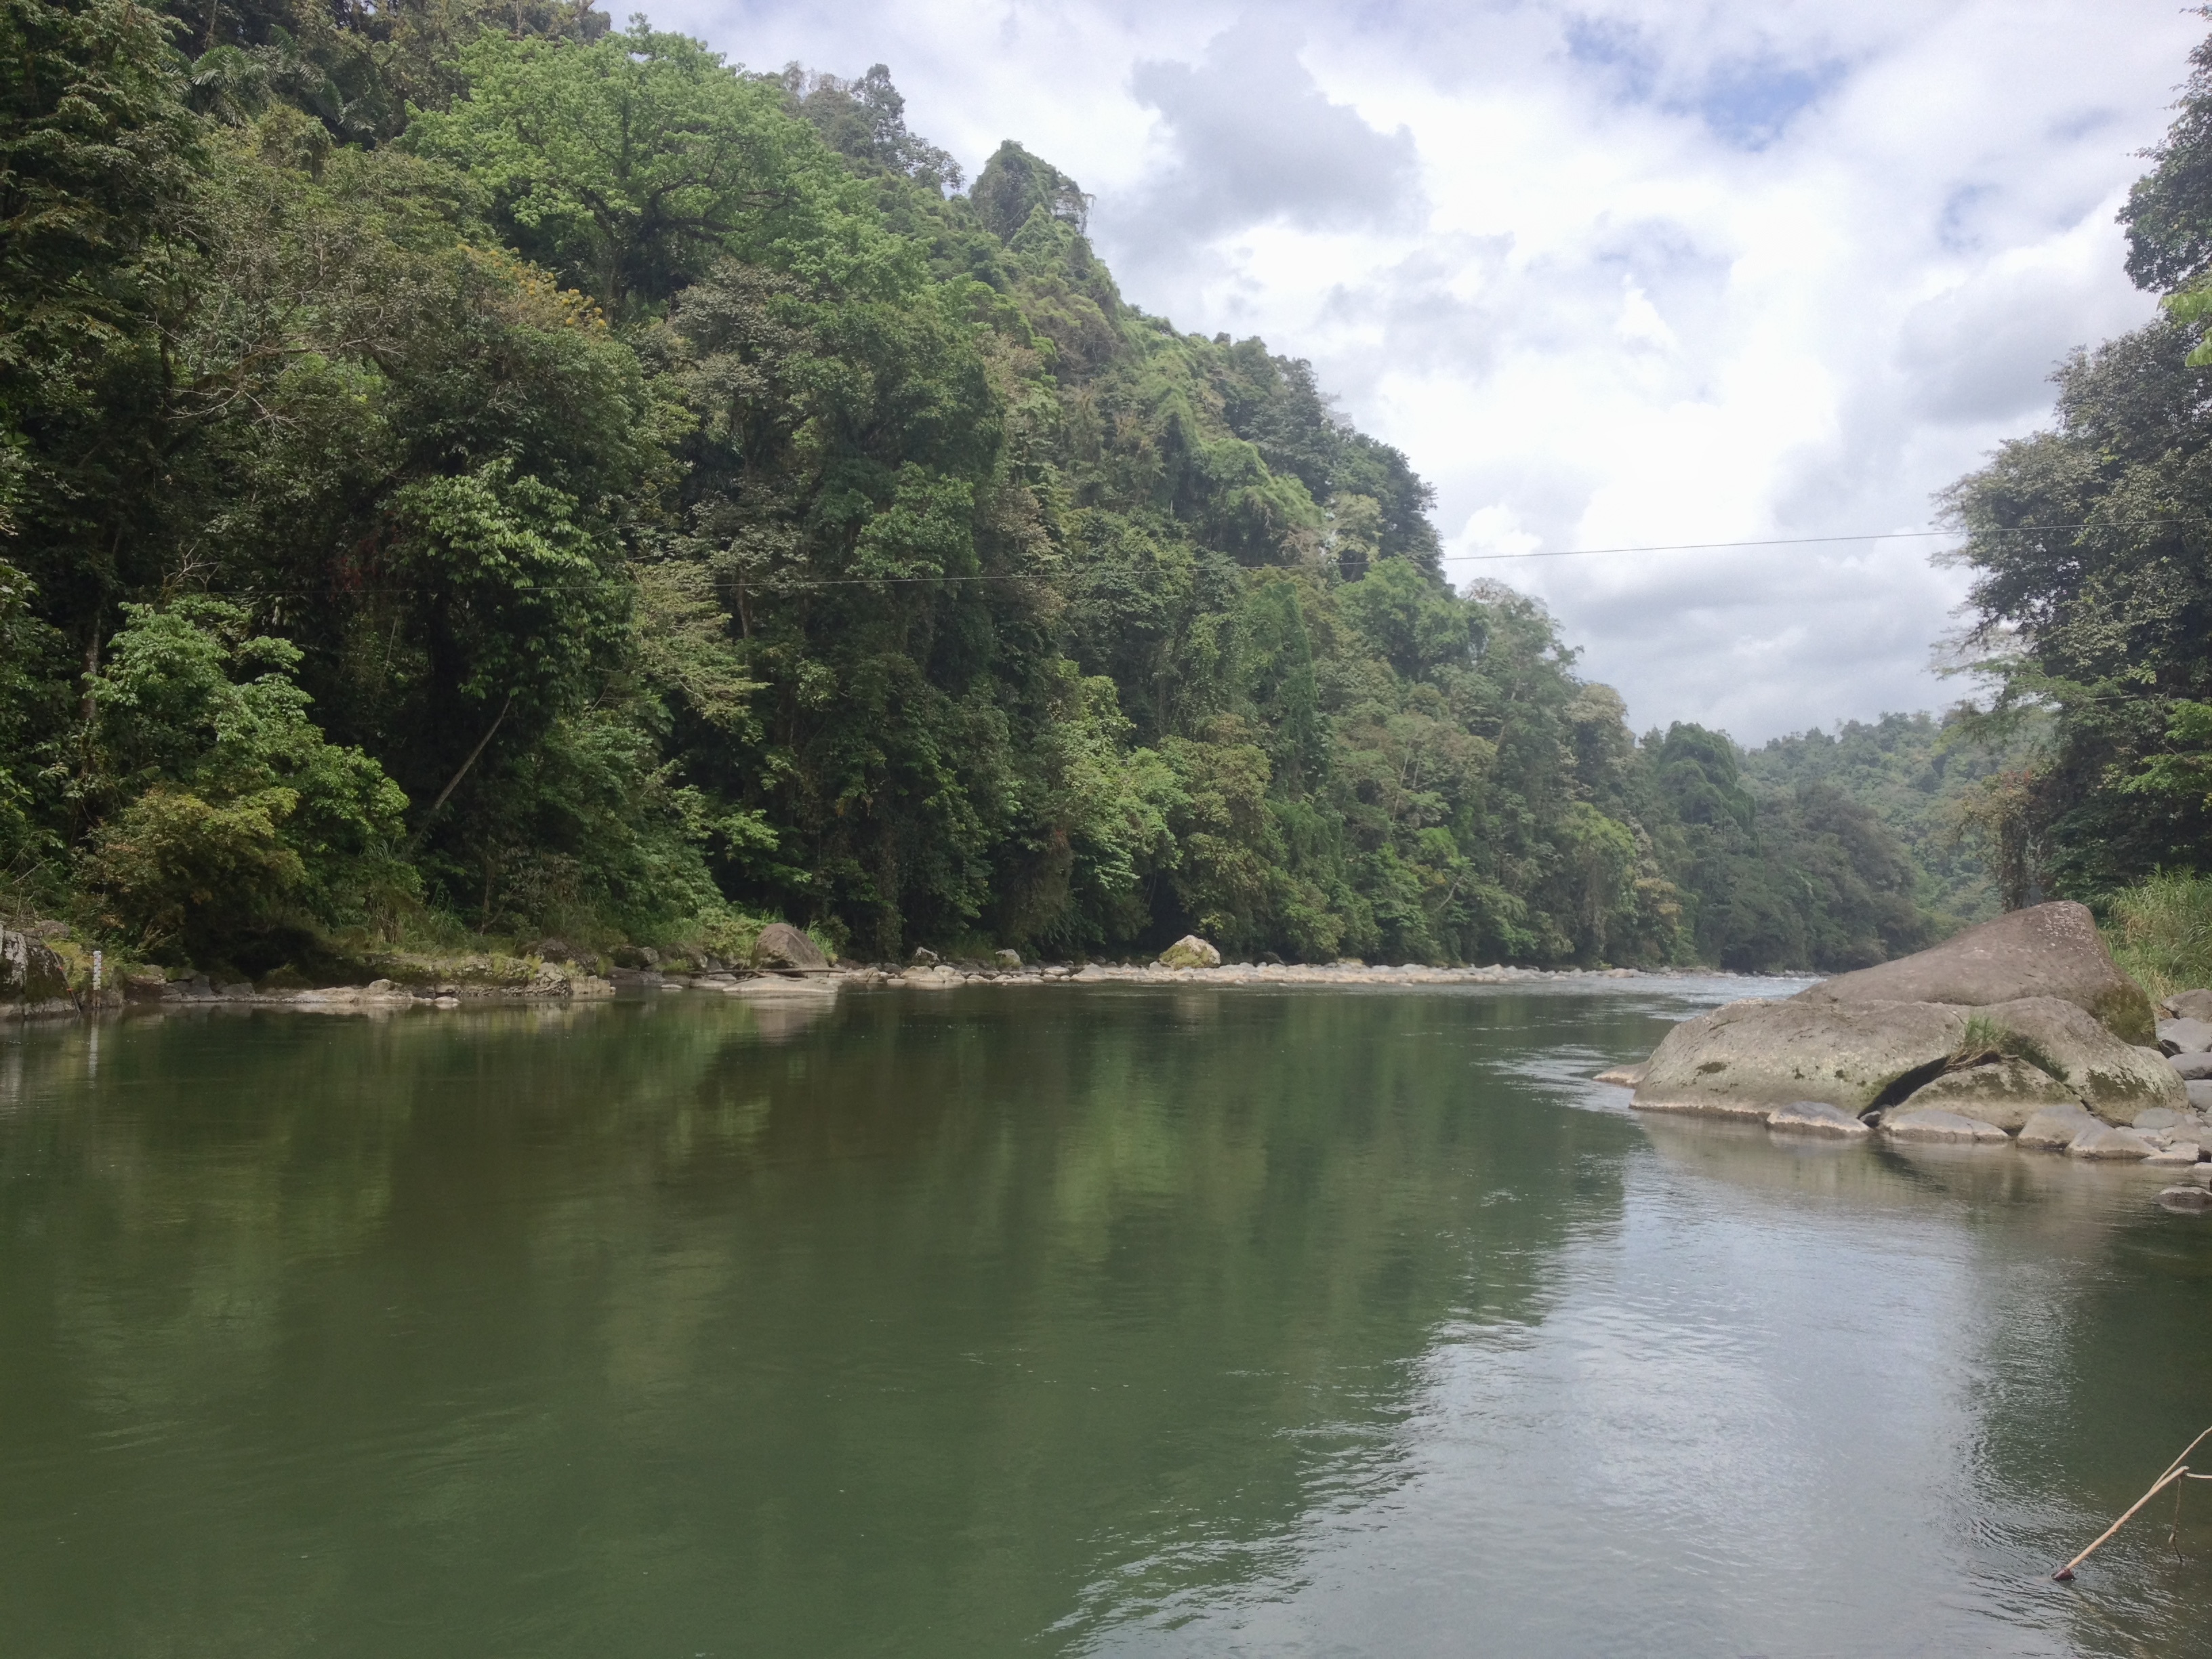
(1987, 1039)
(2161, 932)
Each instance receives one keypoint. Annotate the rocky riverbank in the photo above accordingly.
(50, 976)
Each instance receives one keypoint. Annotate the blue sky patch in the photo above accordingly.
(1750, 104)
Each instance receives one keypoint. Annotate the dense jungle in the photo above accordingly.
(474, 472)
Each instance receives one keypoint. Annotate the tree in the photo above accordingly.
(2168, 212)
(2093, 598)
(630, 164)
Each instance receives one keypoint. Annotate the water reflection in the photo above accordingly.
(1126, 1320)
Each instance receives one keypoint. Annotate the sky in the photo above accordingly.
(1621, 274)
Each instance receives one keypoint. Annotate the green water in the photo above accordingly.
(1124, 1321)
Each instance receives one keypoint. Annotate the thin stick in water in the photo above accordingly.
(2174, 1472)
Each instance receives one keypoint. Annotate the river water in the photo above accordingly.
(1124, 1321)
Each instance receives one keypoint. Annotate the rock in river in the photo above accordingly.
(2046, 951)
(1746, 1058)
(1928, 1124)
(1815, 1117)
(2005, 1091)
(2103, 1141)
(2057, 1127)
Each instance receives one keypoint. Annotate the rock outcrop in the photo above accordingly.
(2046, 951)
(1748, 1057)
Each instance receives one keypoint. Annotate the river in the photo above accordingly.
(1115, 1320)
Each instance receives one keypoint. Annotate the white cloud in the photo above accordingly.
(1626, 273)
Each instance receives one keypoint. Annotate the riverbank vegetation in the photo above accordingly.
(476, 471)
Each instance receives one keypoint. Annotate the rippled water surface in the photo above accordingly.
(1121, 1320)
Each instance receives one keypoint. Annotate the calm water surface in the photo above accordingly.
(1123, 1320)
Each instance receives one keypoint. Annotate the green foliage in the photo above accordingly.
(219, 813)
(631, 163)
(2100, 631)
(2168, 212)
(2184, 772)
(1803, 874)
(1930, 782)
(28, 676)
(864, 120)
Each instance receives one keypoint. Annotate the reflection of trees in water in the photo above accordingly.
(1028, 1291)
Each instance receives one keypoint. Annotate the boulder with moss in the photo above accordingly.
(2116, 1080)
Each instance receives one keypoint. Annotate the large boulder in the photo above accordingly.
(2115, 1079)
(2046, 951)
(1190, 951)
(1748, 1057)
(2005, 1092)
(782, 949)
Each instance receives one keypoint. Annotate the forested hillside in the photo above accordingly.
(468, 470)
(1935, 784)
